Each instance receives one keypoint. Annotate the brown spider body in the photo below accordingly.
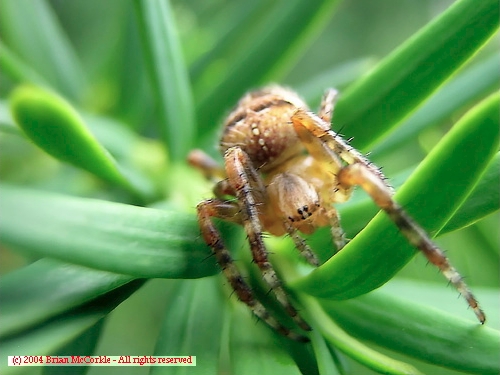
(287, 168)
(260, 126)
(296, 183)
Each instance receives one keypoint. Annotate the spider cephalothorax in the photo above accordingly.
(286, 168)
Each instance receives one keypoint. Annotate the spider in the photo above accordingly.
(284, 169)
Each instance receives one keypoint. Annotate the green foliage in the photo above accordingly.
(100, 103)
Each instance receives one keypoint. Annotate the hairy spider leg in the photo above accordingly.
(322, 137)
(206, 165)
(337, 232)
(359, 171)
(212, 172)
(209, 167)
(301, 245)
(250, 190)
(230, 211)
(326, 110)
(327, 105)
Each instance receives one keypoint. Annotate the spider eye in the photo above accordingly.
(295, 197)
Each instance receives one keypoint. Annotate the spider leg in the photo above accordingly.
(323, 142)
(337, 232)
(327, 105)
(301, 245)
(358, 174)
(338, 236)
(212, 171)
(230, 211)
(204, 163)
(250, 190)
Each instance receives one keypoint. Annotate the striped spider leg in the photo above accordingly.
(324, 143)
(243, 182)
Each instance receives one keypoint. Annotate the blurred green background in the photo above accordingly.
(102, 70)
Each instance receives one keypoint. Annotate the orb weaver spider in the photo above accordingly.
(284, 168)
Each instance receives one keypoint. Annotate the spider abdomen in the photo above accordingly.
(261, 126)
